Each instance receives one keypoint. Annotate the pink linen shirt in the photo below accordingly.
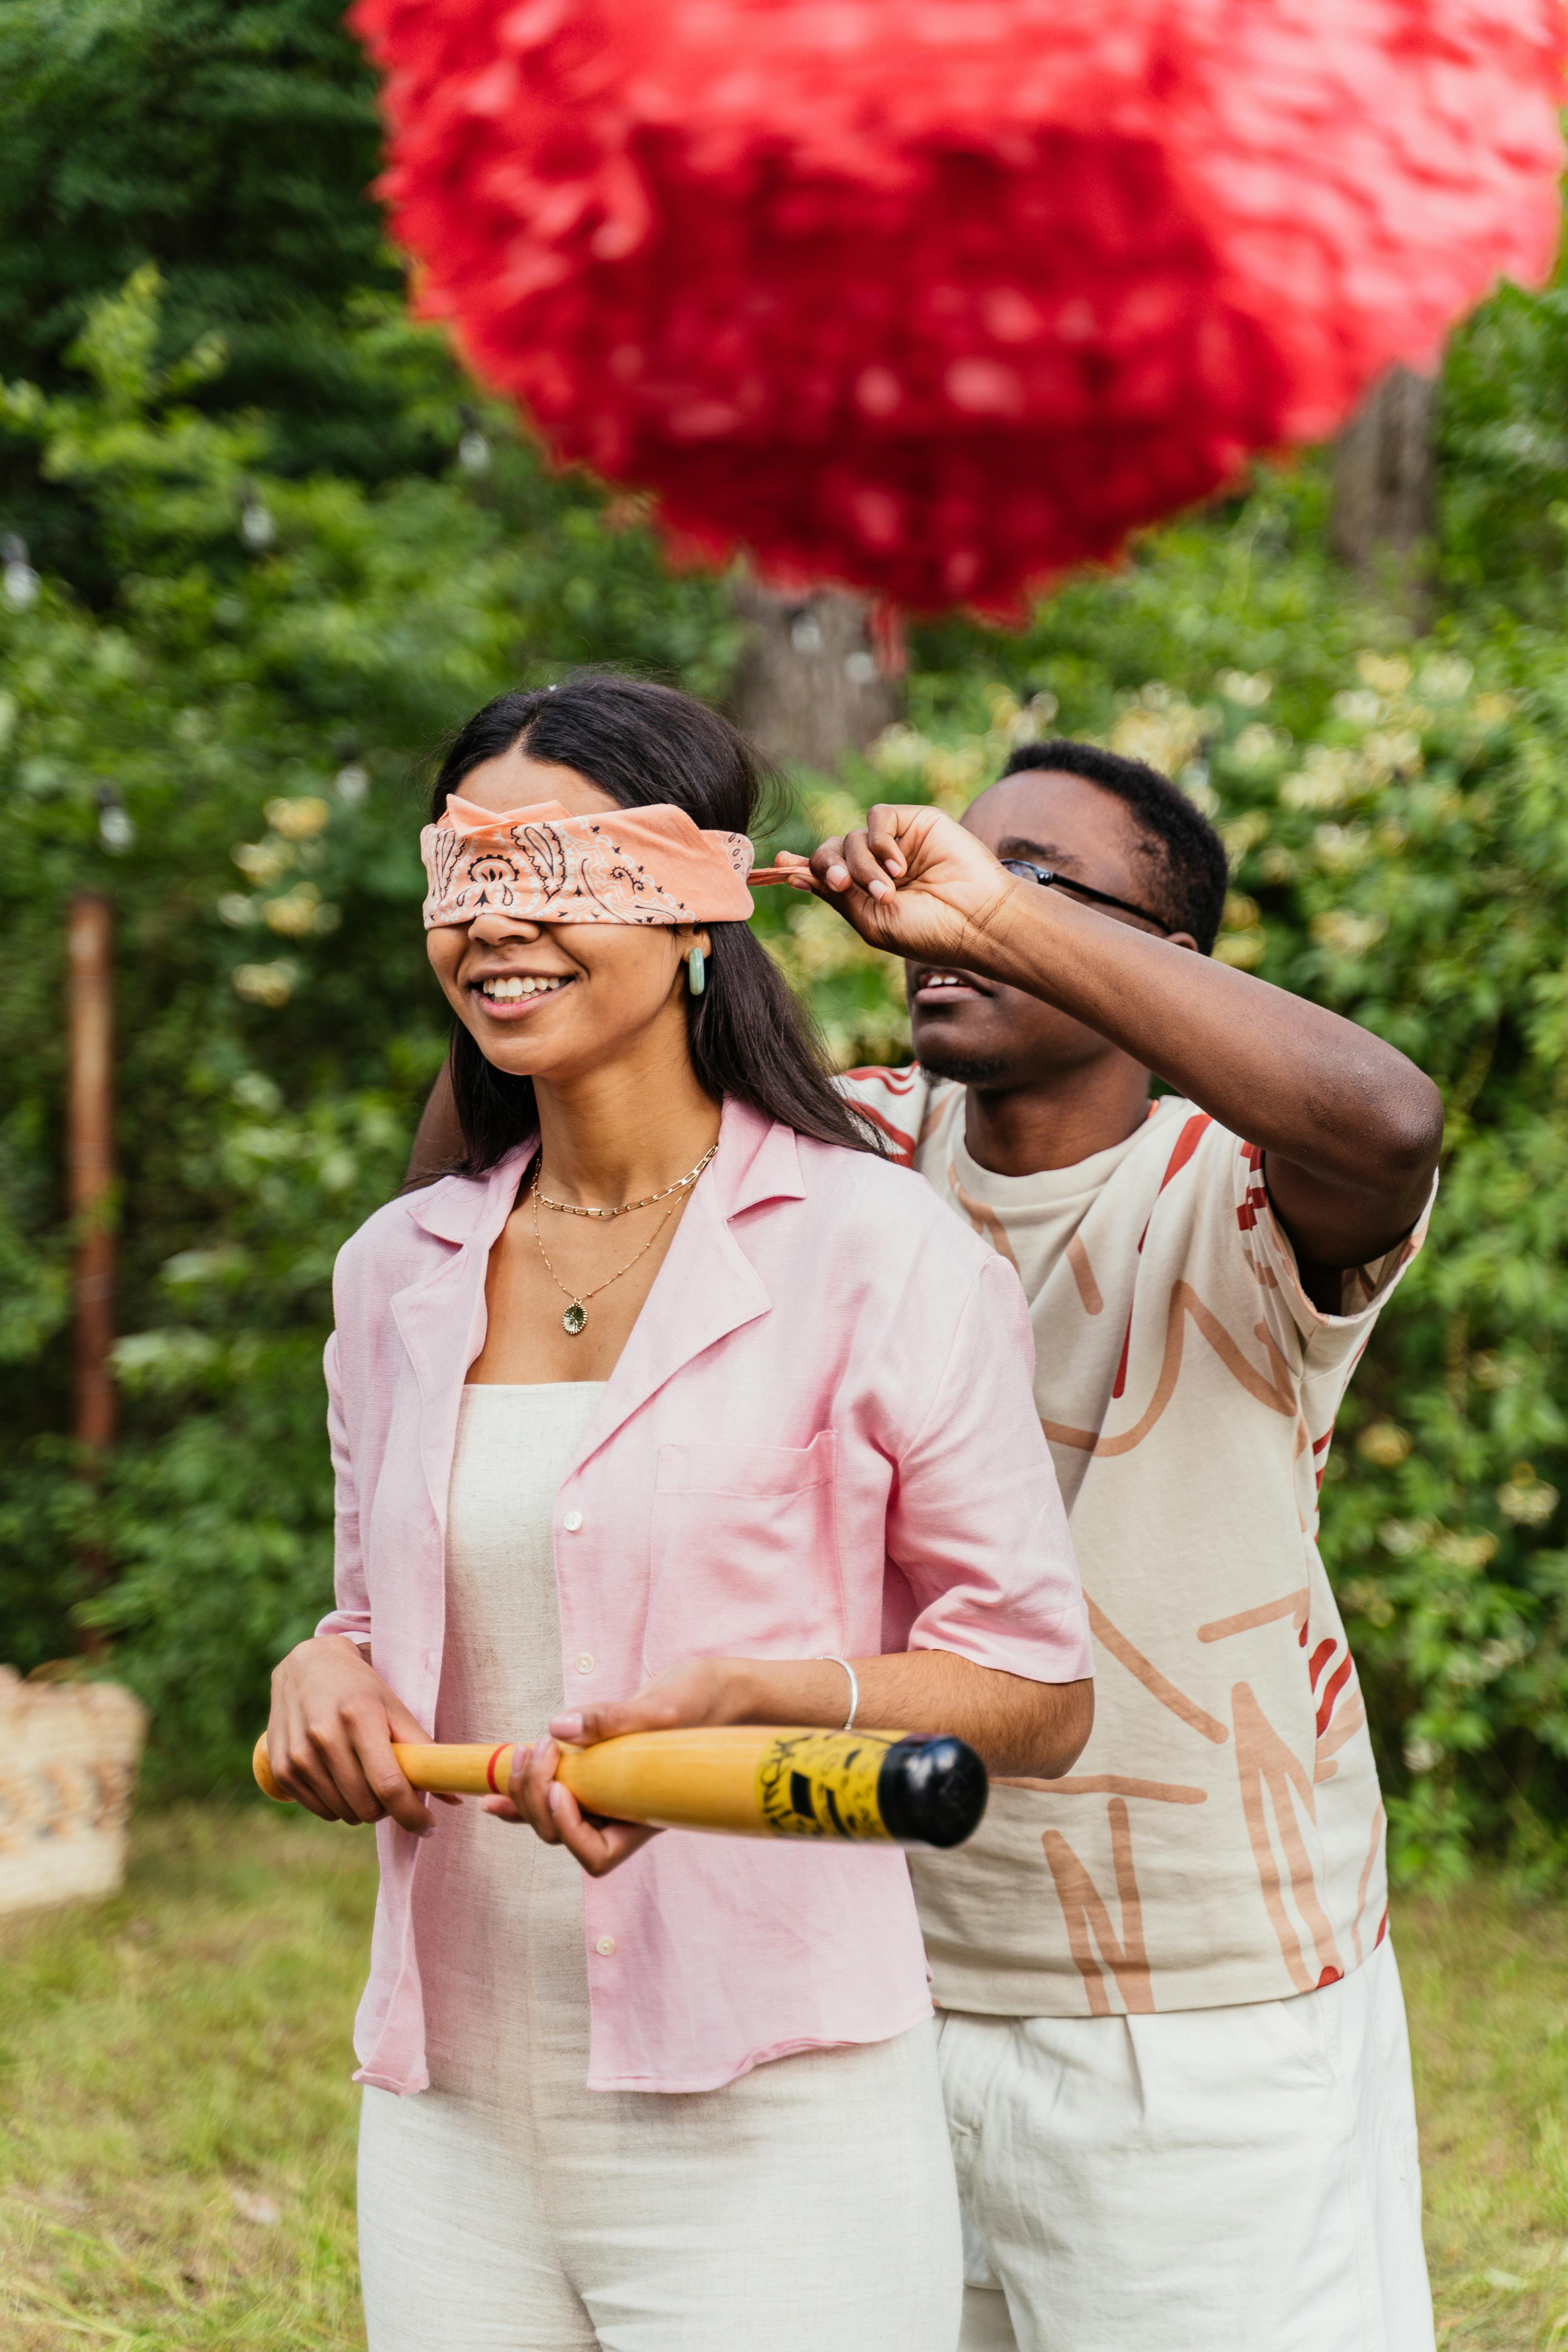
(820, 1437)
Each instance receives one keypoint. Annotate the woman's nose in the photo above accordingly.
(488, 930)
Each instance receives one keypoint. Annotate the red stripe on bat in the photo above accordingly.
(490, 1766)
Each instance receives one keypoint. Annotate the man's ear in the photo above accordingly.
(1182, 939)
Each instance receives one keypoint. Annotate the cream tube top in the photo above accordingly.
(497, 1916)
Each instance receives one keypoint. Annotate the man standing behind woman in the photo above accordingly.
(1173, 2040)
(676, 1404)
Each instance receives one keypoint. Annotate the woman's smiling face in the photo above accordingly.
(554, 1001)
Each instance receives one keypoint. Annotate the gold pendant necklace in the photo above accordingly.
(576, 1315)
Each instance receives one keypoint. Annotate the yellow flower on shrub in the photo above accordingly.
(298, 819)
(263, 862)
(1347, 934)
(272, 984)
(1384, 1443)
(1526, 1499)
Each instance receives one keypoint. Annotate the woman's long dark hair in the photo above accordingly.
(642, 744)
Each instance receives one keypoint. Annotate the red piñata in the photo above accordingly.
(938, 297)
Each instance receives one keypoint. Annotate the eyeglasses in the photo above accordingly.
(1050, 881)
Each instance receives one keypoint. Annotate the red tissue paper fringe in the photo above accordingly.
(939, 297)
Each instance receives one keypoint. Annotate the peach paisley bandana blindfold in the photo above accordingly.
(542, 865)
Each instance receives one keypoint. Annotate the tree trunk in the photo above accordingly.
(1381, 520)
(811, 684)
(92, 1159)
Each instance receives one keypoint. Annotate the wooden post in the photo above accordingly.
(91, 1159)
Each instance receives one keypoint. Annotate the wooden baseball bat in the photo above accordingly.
(742, 1781)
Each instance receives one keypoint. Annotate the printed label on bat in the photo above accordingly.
(822, 1784)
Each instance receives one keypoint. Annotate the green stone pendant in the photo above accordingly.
(576, 1315)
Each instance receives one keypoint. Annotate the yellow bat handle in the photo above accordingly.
(743, 1780)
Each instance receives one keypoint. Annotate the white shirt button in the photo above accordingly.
(605, 1946)
(585, 1662)
(572, 1522)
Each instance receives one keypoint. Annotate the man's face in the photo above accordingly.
(983, 1033)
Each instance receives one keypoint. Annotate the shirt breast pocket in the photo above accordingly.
(745, 1553)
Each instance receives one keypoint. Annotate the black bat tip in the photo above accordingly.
(932, 1792)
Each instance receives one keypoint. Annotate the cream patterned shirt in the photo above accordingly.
(1221, 1838)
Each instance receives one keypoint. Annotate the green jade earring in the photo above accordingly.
(696, 971)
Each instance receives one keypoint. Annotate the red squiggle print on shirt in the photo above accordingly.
(1268, 1769)
(1088, 1919)
(1186, 1143)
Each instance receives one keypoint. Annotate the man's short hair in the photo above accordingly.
(1188, 866)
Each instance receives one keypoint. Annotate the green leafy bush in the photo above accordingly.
(232, 748)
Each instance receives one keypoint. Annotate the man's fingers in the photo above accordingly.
(795, 869)
(827, 864)
(882, 832)
(896, 845)
(858, 861)
(866, 866)
(873, 856)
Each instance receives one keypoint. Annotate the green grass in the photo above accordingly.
(170, 2062)
(174, 2064)
(1485, 1977)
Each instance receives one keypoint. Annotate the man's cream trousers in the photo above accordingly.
(1208, 2180)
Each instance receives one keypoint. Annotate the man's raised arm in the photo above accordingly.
(1350, 1128)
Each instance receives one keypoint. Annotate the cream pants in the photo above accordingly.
(808, 2207)
(1209, 2180)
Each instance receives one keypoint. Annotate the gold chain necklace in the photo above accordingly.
(574, 1209)
(576, 1315)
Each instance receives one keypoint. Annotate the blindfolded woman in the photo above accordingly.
(641, 1418)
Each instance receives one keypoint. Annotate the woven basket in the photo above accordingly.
(68, 1754)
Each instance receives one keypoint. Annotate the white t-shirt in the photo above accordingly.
(1221, 1838)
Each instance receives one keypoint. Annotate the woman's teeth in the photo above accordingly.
(504, 991)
